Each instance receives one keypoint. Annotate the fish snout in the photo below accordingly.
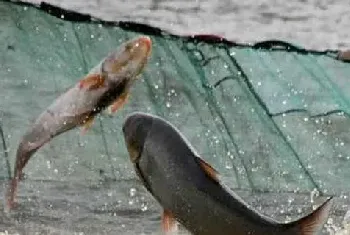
(135, 129)
(145, 40)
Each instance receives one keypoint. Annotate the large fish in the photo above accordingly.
(190, 191)
(106, 87)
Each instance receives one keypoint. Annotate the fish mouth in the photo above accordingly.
(145, 40)
(135, 157)
(136, 128)
(134, 154)
(143, 179)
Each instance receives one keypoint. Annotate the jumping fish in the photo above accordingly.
(190, 190)
(105, 87)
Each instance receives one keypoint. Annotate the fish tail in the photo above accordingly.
(313, 223)
(11, 194)
(22, 157)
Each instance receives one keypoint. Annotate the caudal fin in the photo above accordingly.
(313, 223)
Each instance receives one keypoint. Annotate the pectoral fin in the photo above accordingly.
(169, 223)
(91, 82)
(208, 169)
(87, 124)
(118, 103)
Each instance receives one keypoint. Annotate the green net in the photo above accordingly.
(269, 119)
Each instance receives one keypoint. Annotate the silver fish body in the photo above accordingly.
(171, 171)
(106, 85)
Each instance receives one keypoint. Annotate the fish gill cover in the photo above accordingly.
(271, 117)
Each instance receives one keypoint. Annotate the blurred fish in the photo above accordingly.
(190, 191)
(107, 86)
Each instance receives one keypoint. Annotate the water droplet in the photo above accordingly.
(232, 53)
(92, 36)
(284, 102)
(168, 105)
(306, 119)
(314, 193)
(290, 200)
(259, 83)
(156, 86)
(228, 165)
(144, 207)
(132, 192)
(48, 163)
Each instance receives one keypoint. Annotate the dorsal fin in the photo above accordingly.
(312, 224)
(208, 169)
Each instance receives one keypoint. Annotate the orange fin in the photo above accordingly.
(87, 124)
(92, 82)
(118, 103)
(313, 223)
(169, 223)
(208, 169)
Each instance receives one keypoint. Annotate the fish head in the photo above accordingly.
(129, 60)
(136, 128)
